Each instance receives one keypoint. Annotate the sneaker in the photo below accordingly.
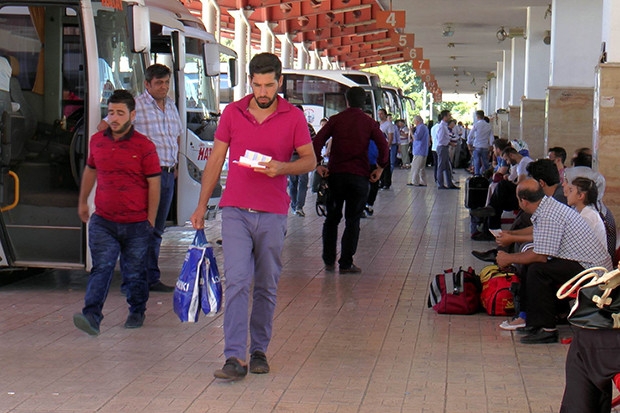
(85, 324)
(258, 363)
(232, 370)
(351, 270)
(513, 324)
(160, 287)
(300, 213)
(135, 320)
(369, 210)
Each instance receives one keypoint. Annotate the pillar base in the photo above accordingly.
(606, 141)
(569, 117)
(533, 126)
(514, 122)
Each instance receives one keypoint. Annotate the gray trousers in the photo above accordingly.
(252, 244)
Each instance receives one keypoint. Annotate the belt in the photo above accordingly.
(254, 211)
(169, 169)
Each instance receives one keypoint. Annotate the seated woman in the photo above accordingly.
(582, 195)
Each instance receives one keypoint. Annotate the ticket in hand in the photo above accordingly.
(251, 159)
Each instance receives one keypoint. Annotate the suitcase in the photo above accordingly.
(476, 188)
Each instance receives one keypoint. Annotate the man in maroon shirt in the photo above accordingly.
(348, 176)
(125, 166)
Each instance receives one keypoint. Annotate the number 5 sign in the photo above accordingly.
(390, 19)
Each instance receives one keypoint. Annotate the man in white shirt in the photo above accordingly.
(479, 141)
(444, 171)
(387, 127)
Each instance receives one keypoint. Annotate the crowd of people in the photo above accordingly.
(561, 226)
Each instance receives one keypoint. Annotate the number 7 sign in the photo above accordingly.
(390, 19)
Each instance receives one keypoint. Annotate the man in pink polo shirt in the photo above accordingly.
(254, 208)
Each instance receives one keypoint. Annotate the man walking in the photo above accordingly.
(420, 153)
(254, 208)
(125, 165)
(348, 174)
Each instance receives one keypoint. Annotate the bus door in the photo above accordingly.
(43, 145)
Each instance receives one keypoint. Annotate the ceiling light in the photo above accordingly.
(447, 30)
(501, 34)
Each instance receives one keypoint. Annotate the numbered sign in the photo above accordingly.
(414, 53)
(402, 40)
(390, 19)
(422, 64)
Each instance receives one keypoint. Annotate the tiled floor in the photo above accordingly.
(342, 343)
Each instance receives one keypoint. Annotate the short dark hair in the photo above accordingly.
(156, 71)
(356, 97)
(501, 143)
(264, 63)
(559, 152)
(545, 170)
(480, 114)
(123, 96)
(583, 157)
(444, 113)
(509, 150)
(531, 196)
(298, 106)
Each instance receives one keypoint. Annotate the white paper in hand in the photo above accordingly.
(251, 159)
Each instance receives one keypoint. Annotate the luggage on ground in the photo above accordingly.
(455, 292)
(497, 297)
(476, 188)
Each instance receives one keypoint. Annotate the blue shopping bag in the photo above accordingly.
(210, 285)
(187, 297)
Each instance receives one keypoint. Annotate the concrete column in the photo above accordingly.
(575, 52)
(514, 122)
(492, 96)
(242, 31)
(517, 71)
(211, 17)
(302, 55)
(536, 80)
(533, 126)
(315, 60)
(536, 53)
(266, 36)
(606, 139)
(285, 50)
(499, 86)
(507, 78)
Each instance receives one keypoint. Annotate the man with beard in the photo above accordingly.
(125, 165)
(254, 208)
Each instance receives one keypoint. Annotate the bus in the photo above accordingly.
(66, 58)
(322, 92)
(397, 104)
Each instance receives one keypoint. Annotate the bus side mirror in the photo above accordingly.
(232, 72)
(211, 56)
(140, 28)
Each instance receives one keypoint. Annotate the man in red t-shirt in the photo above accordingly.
(125, 166)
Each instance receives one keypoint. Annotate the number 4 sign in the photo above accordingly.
(390, 19)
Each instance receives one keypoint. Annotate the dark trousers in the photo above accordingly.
(538, 288)
(591, 363)
(107, 241)
(504, 198)
(374, 189)
(153, 273)
(350, 191)
(386, 177)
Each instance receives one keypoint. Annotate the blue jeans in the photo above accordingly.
(107, 240)
(165, 200)
(393, 155)
(297, 189)
(352, 189)
(480, 160)
(252, 244)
